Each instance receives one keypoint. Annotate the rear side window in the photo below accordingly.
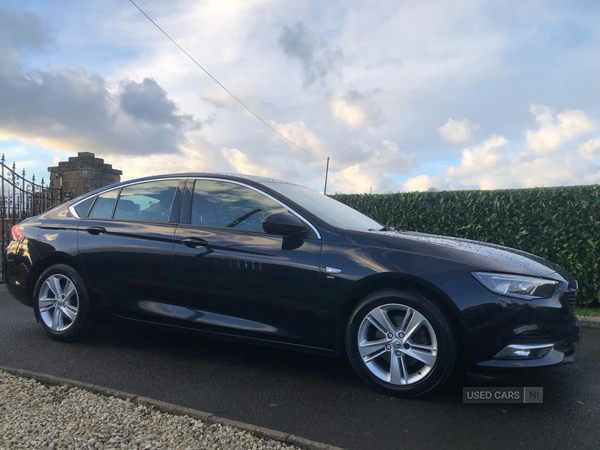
(103, 206)
(83, 207)
(220, 204)
(149, 202)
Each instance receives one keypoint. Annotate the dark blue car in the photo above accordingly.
(274, 263)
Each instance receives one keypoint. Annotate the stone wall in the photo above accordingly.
(83, 173)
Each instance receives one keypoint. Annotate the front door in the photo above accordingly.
(233, 278)
(126, 245)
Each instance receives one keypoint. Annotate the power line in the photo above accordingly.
(237, 99)
(345, 179)
(224, 88)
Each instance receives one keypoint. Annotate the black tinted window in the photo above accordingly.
(103, 206)
(83, 207)
(220, 204)
(150, 202)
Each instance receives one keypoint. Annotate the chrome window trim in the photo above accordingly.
(72, 207)
(299, 216)
(72, 210)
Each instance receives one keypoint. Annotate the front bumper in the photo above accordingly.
(506, 332)
(540, 355)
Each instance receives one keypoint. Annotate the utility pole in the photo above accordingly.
(326, 172)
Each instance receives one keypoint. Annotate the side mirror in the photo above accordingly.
(283, 224)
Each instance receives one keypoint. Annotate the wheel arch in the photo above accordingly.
(380, 281)
(51, 260)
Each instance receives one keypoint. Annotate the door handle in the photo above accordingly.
(194, 242)
(96, 230)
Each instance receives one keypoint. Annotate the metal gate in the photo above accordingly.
(22, 198)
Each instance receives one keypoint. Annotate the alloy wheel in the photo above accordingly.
(397, 344)
(58, 302)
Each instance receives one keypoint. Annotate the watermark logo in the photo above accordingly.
(503, 395)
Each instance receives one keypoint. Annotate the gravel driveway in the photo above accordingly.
(33, 415)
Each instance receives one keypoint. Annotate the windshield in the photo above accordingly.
(326, 208)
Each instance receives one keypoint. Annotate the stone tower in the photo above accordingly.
(83, 173)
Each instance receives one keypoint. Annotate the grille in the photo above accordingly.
(572, 299)
(532, 337)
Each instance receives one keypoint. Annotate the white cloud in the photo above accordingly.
(458, 132)
(488, 157)
(492, 166)
(421, 183)
(544, 115)
(590, 150)
(548, 157)
(242, 164)
(301, 135)
(358, 168)
(349, 114)
(377, 163)
(355, 109)
(557, 129)
(220, 99)
(71, 110)
(421, 56)
(196, 155)
(358, 180)
(387, 157)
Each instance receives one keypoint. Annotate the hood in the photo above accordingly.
(479, 255)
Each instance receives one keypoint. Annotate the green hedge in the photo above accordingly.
(561, 224)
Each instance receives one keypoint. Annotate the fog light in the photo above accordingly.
(519, 351)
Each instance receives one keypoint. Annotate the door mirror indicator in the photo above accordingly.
(284, 224)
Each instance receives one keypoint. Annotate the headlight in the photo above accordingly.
(527, 288)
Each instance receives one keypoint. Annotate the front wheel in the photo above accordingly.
(399, 342)
(61, 303)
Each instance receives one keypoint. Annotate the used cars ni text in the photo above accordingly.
(269, 262)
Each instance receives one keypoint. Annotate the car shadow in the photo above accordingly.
(179, 348)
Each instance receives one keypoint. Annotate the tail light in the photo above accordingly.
(16, 233)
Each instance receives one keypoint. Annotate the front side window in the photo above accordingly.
(104, 204)
(221, 204)
(149, 202)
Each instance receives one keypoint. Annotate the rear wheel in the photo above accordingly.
(399, 342)
(61, 303)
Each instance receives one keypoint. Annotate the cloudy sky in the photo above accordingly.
(401, 95)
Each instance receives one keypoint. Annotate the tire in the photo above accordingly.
(427, 353)
(74, 309)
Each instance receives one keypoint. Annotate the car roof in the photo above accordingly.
(224, 175)
(244, 178)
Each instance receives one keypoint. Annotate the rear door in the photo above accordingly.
(126, 245)
(233, 278)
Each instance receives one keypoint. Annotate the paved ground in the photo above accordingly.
(311, 396)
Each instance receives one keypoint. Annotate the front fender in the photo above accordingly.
(359, 262)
